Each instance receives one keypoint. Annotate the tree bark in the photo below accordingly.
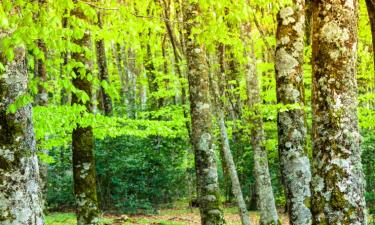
(371, 14)
(227, 154)
(338, 181)
(292, 130)
(104, 99)
(20, 193)
(266, 201)
(207, 178)
(83, 155)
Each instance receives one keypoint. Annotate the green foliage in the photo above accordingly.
(134, 174)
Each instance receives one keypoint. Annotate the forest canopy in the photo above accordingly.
(192, 111)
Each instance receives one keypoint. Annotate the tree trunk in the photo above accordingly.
(227, 154)
(83, 142)
(338, 181)
(41, 99)
(291, 123)
(116, 53)
(371, 14)
(20, 194)
(130, 80)
(207, 179)
(104, 99)
(266, 201)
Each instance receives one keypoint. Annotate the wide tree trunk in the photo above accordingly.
(83, 140)
(266, 200)
(105, 101)
(227, 154)
(291, 123)
(338, 181)
(371, 14)
(20, 193)
(207, 178)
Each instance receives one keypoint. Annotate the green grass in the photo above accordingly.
(70, 219)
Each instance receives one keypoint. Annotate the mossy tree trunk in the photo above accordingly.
(207, 178)
(20, 193)
(291, 123)
(82, 137)
(105, 101)
(227, 154)
(338, 181)
(266, 200)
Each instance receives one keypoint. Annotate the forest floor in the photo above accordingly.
(176, 216)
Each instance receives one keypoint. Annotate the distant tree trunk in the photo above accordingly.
(104, 99)
(20, 193)
(228, 158)
(371, 13)
(207, 179)
(266, 200)
(116, 53)
(83, 142)
(153, 85)
(41, 99)
(291, 123)
(64, 55)
(177, 58)
(338, 181)
(130, 69)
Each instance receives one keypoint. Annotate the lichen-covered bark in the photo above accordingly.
(105, 100)
(207, 178)
(338, 182)
(266, 200)
(227, 154)
(20, 194)
(82, 140)
(292, 123)
(371, 14)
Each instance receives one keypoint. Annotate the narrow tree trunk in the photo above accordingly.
(41, 99)
(291, 123)
(20, 193)
(207, 179)
(227, 154)
(338, 181)
(64, 55)
(131, 81)
(83, 142)
(371, 14)
(105, 99)
(266, 201)
(116, 52)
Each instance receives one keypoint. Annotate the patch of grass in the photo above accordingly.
(67, 219)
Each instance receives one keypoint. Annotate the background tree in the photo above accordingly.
(205, 163)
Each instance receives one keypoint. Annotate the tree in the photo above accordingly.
(205, 163)
(266, 200)
(104, 98)
(291, 122)
(20, 193)
(338, 186)
(82, 137)
(227, 154)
